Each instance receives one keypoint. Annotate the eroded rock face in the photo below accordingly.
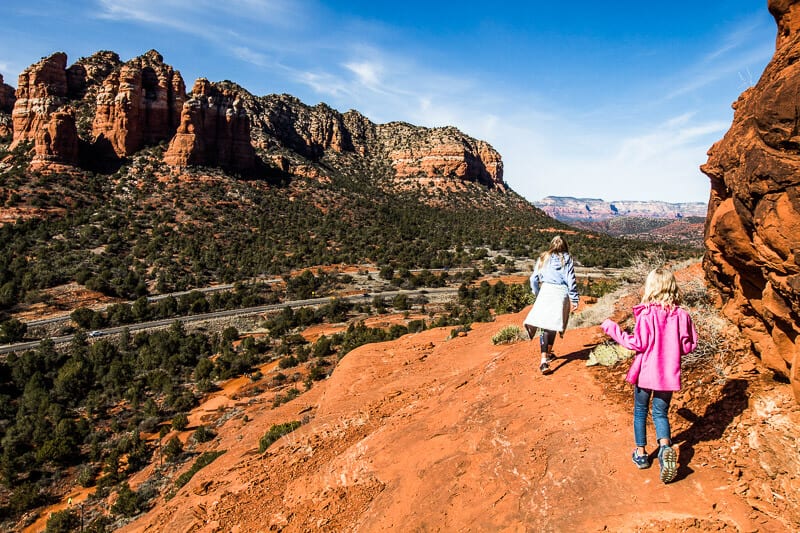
(57, 142)
(41, 90)
(753, 224)
(413, 152)
(139, 104)
(444, 153)
(214, 130)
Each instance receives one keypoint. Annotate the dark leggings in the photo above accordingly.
(546, 337)
(546, 340)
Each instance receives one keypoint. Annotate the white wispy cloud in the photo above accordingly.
(648, 148)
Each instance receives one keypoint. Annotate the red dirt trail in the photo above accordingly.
(427, 433)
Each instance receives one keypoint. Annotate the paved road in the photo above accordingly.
(22, 346)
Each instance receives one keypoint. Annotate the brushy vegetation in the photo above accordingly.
(276, 432)
(204, 460)
(508, 335)
(130, 234)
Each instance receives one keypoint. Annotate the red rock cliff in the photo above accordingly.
(753, 224)
(411, 151)
(139, 104)
(214, 130)
(41, 113)
(41, 90)
(444, 153)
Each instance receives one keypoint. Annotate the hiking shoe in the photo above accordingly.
(669, 463)
(642, 461)
(550, 357)
(545, 368)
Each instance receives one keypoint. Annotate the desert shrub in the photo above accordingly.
(281, 399)
(507, 335)
(276, 432)
(608, 354)
(415, 326)
(173, 449)
(455, 332)
(642, 262)
(86, 475)
(128, 503)
(203, 434)
(180, 421)
(204, 460)
(63, 522)
(287, 362)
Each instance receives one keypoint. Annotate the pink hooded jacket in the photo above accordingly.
(660, 337)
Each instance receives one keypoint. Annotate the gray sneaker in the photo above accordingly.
(642, 461)
(669, 463)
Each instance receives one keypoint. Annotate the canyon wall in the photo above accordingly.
(752, 230)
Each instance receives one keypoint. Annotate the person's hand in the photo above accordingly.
(574, 307)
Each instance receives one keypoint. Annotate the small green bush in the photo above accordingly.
(276, 432)
(204, 460)
(507, 335)
(203, 434)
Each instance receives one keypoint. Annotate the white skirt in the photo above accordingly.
(551, 309)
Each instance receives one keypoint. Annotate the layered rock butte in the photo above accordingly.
(101, 108)
(566, 208)
(752, 231)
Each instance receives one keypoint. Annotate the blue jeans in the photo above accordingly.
(641, 401)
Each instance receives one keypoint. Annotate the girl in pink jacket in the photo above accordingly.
(663, 333)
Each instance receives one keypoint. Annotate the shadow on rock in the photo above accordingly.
(712, 424)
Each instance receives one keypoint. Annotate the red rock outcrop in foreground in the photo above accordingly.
(214, 131)
(753, 224)
(139, 104)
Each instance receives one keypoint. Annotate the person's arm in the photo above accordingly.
(535, 282)
(636, 341)
(688, 336)
(572, 283)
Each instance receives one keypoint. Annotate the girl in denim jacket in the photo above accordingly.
(663, 333)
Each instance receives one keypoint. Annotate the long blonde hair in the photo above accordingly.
(557, 246)
(661, 287)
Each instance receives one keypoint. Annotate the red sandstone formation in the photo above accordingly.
(214, 130)
(139, 104)
(124, 107)
(57, 141)
(42, 89)
(414, 152)
(753, 225)
(441, 153)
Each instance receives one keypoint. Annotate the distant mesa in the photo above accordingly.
(569, 209)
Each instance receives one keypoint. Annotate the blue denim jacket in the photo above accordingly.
(559, 270)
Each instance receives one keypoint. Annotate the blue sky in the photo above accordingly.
(614, 100)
